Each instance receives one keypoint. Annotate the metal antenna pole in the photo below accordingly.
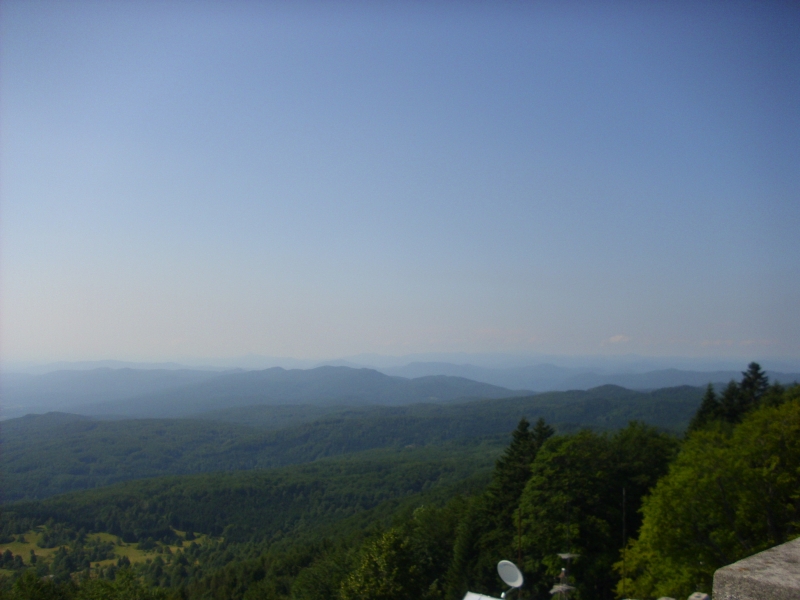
(519, 540)
(624, 540)
(519, 536)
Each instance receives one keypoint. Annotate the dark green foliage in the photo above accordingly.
(125, 587)
(55, 453)
(573, 503)
(732, 404)
(736, 400)
(709, 410)
(388, 569)
(11, 524)
(774, 396)
(514, 467)
(323, 578)
(66, 560)
(427, 521)
(641, 455)
(57, 534)
(257, 505)
(316, 568)
(488, 529)
(31, 587)
(753, 386)
(731, 492)
(409, 560)
(605, 407)
(49, 454)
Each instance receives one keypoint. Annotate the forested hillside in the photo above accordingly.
(733, 491)
(262, 504)
(637, 505)
(56, 453)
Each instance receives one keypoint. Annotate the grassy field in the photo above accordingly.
(131, 551)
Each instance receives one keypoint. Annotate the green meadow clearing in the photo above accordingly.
(28, 542)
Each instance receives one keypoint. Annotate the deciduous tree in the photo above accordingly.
(727, 496)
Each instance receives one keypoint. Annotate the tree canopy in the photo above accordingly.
(432, 522)
(736, 400)
(728, 495)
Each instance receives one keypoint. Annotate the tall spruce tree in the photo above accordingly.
(710, 410)
(753, 386)
(736, 400)
(541, 433)
(489, 531)
(730, 403)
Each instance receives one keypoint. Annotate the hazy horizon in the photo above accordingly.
(313, 180)
(602, 364)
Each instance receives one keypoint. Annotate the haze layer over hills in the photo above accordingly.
(178, 392)
(145, 393)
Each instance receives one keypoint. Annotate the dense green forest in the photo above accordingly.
(649, 512)
(260, 504)
(733, 491)
(44, 455)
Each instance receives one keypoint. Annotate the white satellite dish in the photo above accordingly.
(509, 573)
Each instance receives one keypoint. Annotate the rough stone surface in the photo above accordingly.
(770, 575)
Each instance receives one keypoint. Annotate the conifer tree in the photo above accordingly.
(753, 386)
(731, 406)
(513, 469)
(541, 433)
(709, 410)
(489, 532)
(736, 400)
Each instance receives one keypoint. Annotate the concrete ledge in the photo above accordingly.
(770, 575)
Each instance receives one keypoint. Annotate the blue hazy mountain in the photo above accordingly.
(63, 390)
(549, 377)
(167, 392)
(170, 393)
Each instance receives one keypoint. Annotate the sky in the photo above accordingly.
(323, 179)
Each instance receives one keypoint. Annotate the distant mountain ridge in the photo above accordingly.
(130, 392)
(320, 386)
(178, 393)
(63, 390)
(548, 377)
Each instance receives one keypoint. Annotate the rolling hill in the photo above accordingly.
(277, 386)
(50, 454)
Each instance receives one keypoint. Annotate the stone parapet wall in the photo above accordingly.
(770, 575)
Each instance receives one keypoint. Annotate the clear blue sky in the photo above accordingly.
(320, 179)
